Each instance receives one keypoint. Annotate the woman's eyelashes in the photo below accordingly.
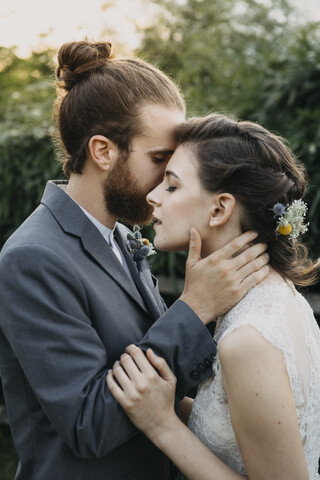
(171, 189)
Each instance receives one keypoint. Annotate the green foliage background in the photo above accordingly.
(251, 59)
(26, 151)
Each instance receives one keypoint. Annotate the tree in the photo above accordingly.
(26, 151)
(215, 48)
(249, 58)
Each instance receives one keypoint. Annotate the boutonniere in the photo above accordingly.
(139, 247)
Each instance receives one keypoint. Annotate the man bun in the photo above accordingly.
(77, 60)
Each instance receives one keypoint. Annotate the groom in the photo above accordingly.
(72, 299)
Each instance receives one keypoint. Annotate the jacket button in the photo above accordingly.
(201, 367)
(194, 374)
(208, 362)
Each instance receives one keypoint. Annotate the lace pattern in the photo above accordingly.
(285, 320)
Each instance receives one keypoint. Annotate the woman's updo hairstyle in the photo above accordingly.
(259, 170)
(99, 94)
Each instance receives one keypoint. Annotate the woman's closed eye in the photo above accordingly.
(171, 189)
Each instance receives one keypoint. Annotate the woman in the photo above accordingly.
(258, 416)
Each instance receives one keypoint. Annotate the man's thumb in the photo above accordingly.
(194, 254)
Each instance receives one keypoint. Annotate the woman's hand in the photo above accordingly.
(147, 396)
(145, 390)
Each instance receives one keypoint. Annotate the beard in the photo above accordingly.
(124, 198)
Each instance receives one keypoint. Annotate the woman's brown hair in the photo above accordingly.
(98, 94)
(254, 165)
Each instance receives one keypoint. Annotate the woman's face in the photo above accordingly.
(180, 203)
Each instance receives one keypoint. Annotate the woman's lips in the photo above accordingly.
(156, 222)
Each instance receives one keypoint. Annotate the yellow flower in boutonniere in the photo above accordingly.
(139, 247)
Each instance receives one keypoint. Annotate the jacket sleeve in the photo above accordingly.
(45, 317)
(184, 341)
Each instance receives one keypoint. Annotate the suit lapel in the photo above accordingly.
(143, 279)
(74, 222)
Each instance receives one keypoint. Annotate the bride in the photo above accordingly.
(258, 416)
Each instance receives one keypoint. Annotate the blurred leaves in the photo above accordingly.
(251, 58)
(26, 152)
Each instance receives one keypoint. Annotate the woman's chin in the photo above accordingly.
(167, 246)
(161, 246)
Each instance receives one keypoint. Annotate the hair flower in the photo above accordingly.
(139, 247)
(291, 219)
(278, 209)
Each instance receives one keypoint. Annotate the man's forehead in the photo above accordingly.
(157, 120)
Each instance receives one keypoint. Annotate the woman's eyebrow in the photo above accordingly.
(170, 172)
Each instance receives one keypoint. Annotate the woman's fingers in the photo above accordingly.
(138, 356)
(147, 397)
(114, 388)
(161, 365)
(130, 366)
(120, 374)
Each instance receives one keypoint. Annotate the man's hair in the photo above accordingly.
(98, 94)
(259, 170)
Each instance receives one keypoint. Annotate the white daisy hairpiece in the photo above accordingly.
(291, 218)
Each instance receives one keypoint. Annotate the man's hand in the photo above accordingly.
(214, 284)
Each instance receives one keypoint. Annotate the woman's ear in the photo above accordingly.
(103, 152)
(222, 208)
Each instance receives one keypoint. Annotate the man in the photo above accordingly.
(71, 295)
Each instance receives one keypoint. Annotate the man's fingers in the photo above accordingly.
(255, 278)
(248, 255)
(253, 266)
(236, 245)
(194, 254)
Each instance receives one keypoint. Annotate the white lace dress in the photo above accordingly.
(284, 318)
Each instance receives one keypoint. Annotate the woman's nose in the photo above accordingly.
(153, 199)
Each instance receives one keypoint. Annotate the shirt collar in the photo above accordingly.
(106, 232)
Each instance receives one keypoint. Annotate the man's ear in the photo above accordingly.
(103, 152)
(222, 208)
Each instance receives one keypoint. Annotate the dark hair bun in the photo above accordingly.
(77, 60)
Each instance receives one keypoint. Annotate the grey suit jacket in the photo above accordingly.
(68, 310)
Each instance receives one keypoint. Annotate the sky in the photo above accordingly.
(31, 24)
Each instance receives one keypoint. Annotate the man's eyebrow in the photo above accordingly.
(163, 151)
(168, 173)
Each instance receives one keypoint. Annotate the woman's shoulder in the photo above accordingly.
(265, 312)
(261, 302)
(248, 348)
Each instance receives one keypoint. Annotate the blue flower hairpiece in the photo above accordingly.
(291, 217)
(139, 247)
